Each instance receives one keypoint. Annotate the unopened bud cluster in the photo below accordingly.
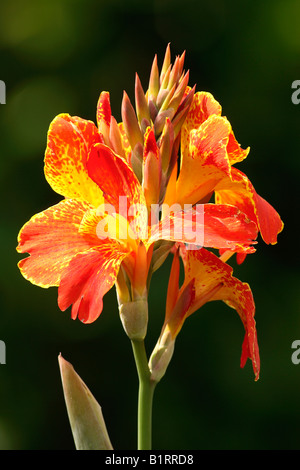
(148, 138)
(153, 127)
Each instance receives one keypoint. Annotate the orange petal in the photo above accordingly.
(52, 239)
(235, 153)
(204, 161)
(269, 221)
(88, 277)
(203, 106)
(240, 192)
(118, 182)
(69, 142)
(103, 115)
(125, 142)
(209, 272)
(230, 227)
(207, 225)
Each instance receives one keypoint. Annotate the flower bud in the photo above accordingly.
(161, 251)
(160, 120)
(166, 144)
(182, 111)
(153, 81)
(180, 91)
(151, 169)
(141, 105)
(104, 115)
(115, 138)
(134, 318)
(163, 95)
(161, 356)
(176, 72)
(130, 122)
(84, 412)
(166, 63)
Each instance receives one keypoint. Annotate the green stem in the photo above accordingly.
(146, 390)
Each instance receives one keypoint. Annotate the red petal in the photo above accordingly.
(209, 271)
(240, 192)
(52, 239)
(269, 221)
(87, 279)
(117, 180)
(208, 225)
(103, 109)
(151, 168)
(228, 226)
(114, 176)
(240, 257)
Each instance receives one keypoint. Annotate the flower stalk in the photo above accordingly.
(145, 396)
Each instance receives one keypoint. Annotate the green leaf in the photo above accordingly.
(84, 412)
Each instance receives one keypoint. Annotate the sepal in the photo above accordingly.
(161, 356)
(134, 318)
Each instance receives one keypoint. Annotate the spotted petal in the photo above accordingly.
(125, 142)
(69, 142)
(52, 239)
(203, 106)
(103, 113)
(240, 192)
(88, 277)
(214, 281)
(210, 225)
(204, 160)
(120, 186)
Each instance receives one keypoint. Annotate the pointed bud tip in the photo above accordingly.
(62, 362)
(137, 79)
(84, 412)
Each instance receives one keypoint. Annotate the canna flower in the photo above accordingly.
(192, 123)
(209, 151)
(99, 234)
(207, 278)
(134, 192)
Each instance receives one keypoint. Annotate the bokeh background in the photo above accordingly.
(56, 56)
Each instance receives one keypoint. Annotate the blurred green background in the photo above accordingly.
(57, 56)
